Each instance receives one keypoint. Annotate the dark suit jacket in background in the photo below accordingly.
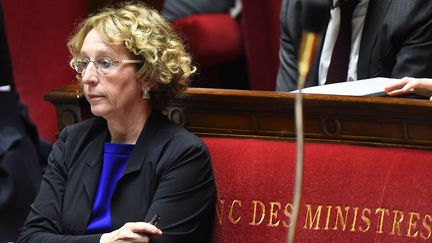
(20, 169)
(396, 42)
(169, 173)
(176, 9)
(20, 156)
(6, 78)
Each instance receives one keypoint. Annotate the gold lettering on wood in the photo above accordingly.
(288, 212)
(412, 224)
(274, 213)
(316, 218)
(396, 222)
(220, 209)
(381, 211)
(231, 217)
(353, 225)
(366, 212)
(329, 209)
(427, 225)
(337, 218)
(254, 217)
(343, 220)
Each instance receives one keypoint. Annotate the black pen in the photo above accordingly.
(154, 221)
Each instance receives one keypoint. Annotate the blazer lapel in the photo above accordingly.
(93, 160)
(143, 144)
(377, 11)
(136, 163)
(92, 156)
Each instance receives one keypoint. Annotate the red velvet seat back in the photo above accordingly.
(37, 33)
(212, 38)
(261, 29)
(350, 193)
(216, 43)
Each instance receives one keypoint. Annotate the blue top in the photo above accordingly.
(114, 163)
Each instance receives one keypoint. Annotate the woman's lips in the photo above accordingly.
(95, 97)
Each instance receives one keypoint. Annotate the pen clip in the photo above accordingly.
(154, 221)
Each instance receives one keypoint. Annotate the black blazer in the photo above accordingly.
(396, 42)
(20, 169)
(169, 173)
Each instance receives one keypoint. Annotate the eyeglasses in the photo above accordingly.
(102, 64)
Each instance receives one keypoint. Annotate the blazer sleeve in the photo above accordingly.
(414, 57)
(20, 175)
(44, 222)
(288, 51)
(186, 194)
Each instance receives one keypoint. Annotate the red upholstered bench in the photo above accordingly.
(367, 169)
(350, 193)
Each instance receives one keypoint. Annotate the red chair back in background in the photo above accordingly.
(216, 44)
(217, 39)
(37, 35)
(261, 33)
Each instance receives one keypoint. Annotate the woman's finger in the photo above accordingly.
(141, 227)
(397, 85)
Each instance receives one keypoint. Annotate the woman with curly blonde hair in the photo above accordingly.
(108, 176)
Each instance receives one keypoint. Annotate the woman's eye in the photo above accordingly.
(104, 62)
(85, 63)
(81, 64)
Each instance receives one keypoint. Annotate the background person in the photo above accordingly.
(177, 9)
(386, 39)
(407, 85)
(109, 175)
(21, 157)
(20, 167)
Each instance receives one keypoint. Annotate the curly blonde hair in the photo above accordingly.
(146, 35)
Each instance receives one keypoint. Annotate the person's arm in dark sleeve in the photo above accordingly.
(44, 223)
(288, 51)
(20, 175)
(186, 195)
(414, 57)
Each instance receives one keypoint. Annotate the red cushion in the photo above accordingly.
(371, 188)
(37, 34)
(212, 38)
(261, 28)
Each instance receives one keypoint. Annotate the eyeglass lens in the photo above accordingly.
(104, 64)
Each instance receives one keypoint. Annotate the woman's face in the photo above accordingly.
(110, 94)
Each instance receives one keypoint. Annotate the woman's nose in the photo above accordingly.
(90, 74)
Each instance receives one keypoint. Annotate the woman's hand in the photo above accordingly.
(132, 232)
(421, 86)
